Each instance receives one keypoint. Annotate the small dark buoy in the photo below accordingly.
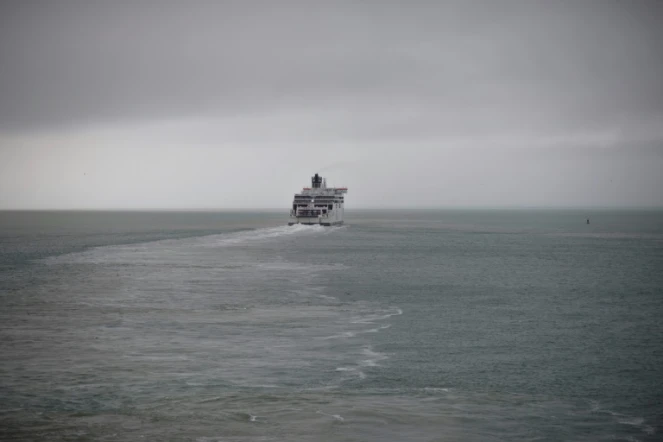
(587, 220)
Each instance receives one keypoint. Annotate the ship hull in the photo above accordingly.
(316, 223)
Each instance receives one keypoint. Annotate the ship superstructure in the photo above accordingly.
(318, 204)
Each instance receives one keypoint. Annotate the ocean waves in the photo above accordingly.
(358, 333)
(174, 248)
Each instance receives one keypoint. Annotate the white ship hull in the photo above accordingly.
(313, 222)
(318, 204)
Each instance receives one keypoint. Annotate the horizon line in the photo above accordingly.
(274, 209)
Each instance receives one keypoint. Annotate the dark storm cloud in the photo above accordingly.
(388, 69)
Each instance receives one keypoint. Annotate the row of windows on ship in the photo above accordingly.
(328, 206)
(318, 200)
(309, 212)
(321, 197)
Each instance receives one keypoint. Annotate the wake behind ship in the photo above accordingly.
(318, 204)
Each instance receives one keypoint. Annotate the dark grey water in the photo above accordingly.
(401, 325)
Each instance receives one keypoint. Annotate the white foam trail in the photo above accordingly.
(635, 421)
(369, 352)
(145, 250)
(359, 373)
(375, 330)
(339, 336)
(623, 419)
(370, 319)
(265, 233)
(638, 422)
(373, 358)
(352, 334)
(436, 390)
(338, 417)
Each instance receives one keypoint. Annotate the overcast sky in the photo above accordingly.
(235, 104)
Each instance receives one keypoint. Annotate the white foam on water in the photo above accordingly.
(373, 357)
(634, 421)
(264, 233)
(123, 252)
(638, 422)
(352, 334)
(340, 336)
(359, 373)
(436, 390)
(337, 417)
(370, 319)
(375, 330)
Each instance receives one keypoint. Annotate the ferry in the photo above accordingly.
(318, 204)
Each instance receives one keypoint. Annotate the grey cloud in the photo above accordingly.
(388, 68)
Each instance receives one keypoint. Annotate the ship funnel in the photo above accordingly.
(316, 181)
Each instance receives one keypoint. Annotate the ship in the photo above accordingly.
(318, 204)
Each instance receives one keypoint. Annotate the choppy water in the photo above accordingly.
(412, 326)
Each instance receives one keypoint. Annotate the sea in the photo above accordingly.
(401, 325)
